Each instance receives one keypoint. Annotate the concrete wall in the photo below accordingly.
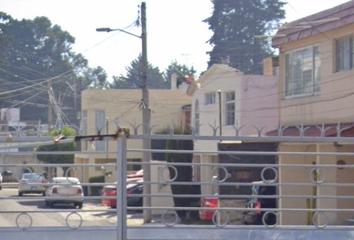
(295, 175)
(319, 108)
(158, 174)
(259, 103)
(345, 175)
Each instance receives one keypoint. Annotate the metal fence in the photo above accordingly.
(307, 191)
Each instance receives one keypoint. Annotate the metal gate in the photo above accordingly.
(312, 179)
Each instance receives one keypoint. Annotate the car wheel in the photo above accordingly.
(43, 193)
(20, 194)
(0, 187)
(46, 203)
(79, 205)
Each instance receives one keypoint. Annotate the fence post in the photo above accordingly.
(121, 188)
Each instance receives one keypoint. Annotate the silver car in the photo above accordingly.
(32, 183)
(68, 190)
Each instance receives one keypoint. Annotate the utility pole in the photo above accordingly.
(146, 116)
(49, 106)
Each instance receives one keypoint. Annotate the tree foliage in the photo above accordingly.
(235, 25)
(132, 80)
(182, 173)
(37, 51)
(63, 159)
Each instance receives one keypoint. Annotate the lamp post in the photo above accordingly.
(146, 109)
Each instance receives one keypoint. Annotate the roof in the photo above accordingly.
(318, 23)
(331, 130)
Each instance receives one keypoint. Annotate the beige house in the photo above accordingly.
(316, 82)
(246, 100)
(102, 108)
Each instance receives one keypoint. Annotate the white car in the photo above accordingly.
(32, 183)
(64, 192)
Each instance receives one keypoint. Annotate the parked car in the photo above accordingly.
(69, 187)
(138, 174)
(255, 217)
(0, 181)
(32, 183)
(208, 202)
(132, 188)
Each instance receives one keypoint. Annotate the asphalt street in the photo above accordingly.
(56, 216)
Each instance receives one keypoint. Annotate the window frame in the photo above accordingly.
(229, 102)
(315, 88)
(210, 96)
(351, 56)
(100, 145)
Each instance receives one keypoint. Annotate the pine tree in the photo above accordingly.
(235, 25)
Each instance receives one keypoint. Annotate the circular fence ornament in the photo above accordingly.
(163, 218)
(227, 175)
(71, 226)
(18, 219)
(170, 180)
(315, 175)
(267, 215)
(73, 168)
(216, 214)
(269, 180)
(316, 217)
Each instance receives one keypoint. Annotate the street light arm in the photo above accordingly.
(116, 29)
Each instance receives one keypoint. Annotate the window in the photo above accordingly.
(197, 117)
(344, 54)
(100, 125)
(210, 98)
(230, 108)
(84, 129)
(303, 72)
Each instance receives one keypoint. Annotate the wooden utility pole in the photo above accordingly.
(49, 105)
(146, 116)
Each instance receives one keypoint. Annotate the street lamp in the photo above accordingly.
(146, 109)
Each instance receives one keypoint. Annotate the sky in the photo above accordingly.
(175, 30)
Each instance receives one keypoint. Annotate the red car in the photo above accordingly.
(111, 191)
(133, 187)
(211, 202)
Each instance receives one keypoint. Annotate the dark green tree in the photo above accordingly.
(4, 40)
(36, 52)
(182, 71)
(235, 25)
(63, 159)
(184, 173)
(132, 80)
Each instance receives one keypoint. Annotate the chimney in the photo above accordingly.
(174, 81)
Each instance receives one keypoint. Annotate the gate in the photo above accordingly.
(311, 182)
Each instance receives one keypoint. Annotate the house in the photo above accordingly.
(316, 82)
(245, 101)
(102, 110)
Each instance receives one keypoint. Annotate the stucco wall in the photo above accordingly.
(294, 175)
(330, 106)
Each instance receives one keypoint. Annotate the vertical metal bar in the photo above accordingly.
(122, 188)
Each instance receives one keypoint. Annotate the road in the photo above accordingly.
(56, 216)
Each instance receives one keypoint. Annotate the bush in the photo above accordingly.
(95, 190)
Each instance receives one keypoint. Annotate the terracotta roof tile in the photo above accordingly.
(345, 13)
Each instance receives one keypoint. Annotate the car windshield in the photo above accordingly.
(32, 176)
(66, 180)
